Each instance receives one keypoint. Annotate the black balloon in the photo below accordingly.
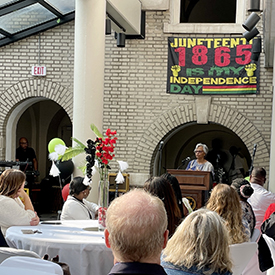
(66, 168)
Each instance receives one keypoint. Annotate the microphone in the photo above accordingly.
(218, 158)
(186, 159)
(255, 147)
(161, 145)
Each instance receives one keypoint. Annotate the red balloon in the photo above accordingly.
(65, 191)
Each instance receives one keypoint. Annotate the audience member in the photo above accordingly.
(261, 198)
(76, 207)
(244, 191)
(270, 210)
(265, 257)
(225, 201)
(136, 231)
(13, 211)
(200, 245)
(268, 226)
(176, 187)
(161, 188)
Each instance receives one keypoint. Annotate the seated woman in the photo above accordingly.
(13, 210)
(225, 201)
(200, 245)
(161, 188)
(176, 187)
(244, 191)
(76, 207)
(200, 163)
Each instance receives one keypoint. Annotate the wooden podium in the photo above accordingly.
(194, 185)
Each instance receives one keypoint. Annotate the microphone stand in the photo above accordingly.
(183, 162)
(116, 193)
(253, 156)
(160, 157)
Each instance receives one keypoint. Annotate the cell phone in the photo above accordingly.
(27, 231)
(51, 222)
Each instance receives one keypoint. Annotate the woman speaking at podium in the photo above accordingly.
(200, 163)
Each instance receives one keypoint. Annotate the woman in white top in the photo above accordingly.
(76, 207)
(15, 210)
(200, 163)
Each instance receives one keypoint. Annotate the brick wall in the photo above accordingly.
(135, 102)
(151, 113)
(17, 83)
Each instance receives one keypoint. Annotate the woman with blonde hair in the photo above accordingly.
(13, 211)
(200, 245)
(225, 201)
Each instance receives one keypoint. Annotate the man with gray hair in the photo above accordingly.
(136, 231)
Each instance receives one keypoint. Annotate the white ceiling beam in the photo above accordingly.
(126, 14)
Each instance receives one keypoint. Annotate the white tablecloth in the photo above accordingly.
(83, 250)
(6, 270)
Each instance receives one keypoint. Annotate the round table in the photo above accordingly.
(77, 242)
(7, 270)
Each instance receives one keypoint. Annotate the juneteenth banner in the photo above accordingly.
(205, 66)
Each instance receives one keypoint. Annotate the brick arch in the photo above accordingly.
(30, 89)
(172, 119)
(243, 128)
(36, 87)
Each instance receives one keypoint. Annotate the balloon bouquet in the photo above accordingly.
(61, 169)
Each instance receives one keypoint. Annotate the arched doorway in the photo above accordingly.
(39, 120)
(180, 143)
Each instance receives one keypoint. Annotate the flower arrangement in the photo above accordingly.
(105, 150)
(104, 154)
(99, 153)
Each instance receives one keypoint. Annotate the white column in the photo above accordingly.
(88, 72)
(272, 139)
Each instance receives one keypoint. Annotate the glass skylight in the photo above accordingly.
(64, 6)
(22, 18)
(25, 18)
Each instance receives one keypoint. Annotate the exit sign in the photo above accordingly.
(39, 70)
